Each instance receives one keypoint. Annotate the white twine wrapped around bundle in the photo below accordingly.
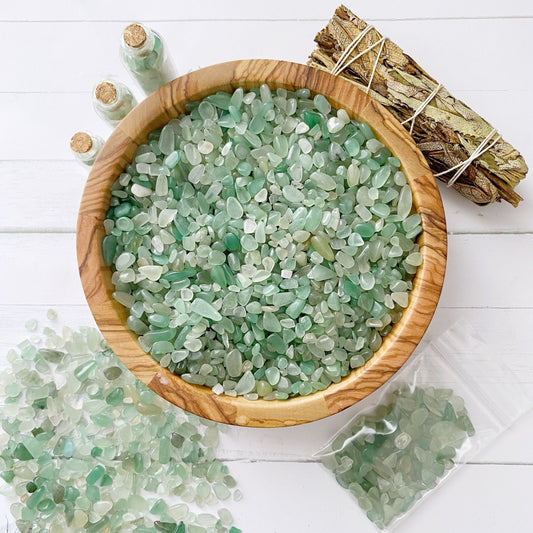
(345, 61)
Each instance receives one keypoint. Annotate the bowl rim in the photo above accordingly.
(167, 103)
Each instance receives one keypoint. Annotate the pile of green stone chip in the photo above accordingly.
(390, 457)
(264, 243)
(87, 447)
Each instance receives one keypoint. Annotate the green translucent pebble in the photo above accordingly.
(411, 222)
(263, 388)
(21, 453)
(257, 124)
(273, 375)
(373, 164)
(322, 246)
(311, 118)
(96, 451)
(172, 159)
(381, 176)
(205, 309)
(294, 310)
(366, 131)
(95, 474)
(232, 242)
(313, 219)
(218, 275)
(145, 529)
(321, 273)
(13, 389)
(71, 494)
(109, 247)
(115, 397)
(221, 100)
(352, 146)
(101, 420)
(31, 325)
(159, 320)
(234, 208)
(122, 210)
(235, 113)
(167, 140)
(248, 243)
(227, 121)
(323, 181)
(34, 499)
(124, 224)
(292, 194)
(236, 98)
(366, 230)
(271, 322)
(321, 104)
(164, 450)
(83, 371)
(405, 202)
(221, 491)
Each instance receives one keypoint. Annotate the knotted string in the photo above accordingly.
(480, 150)
(421, 108)
(340, 67)
(349, 49)
(343, 63)
(375, 66)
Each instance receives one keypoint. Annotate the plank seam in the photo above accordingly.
(269, 20)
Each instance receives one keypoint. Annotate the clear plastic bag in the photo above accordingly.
(435, 414)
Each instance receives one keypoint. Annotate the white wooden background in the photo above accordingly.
(52, 54)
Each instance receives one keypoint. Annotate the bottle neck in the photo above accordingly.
(143, 49)
(85, 146)
(120, 92)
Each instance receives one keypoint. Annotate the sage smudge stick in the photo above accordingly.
(447, 131)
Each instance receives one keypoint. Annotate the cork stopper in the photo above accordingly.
(105, 92)
(81, 142)
(134, 35)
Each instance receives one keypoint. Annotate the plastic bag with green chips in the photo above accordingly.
(434, 415)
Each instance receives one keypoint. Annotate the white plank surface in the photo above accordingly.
(91, 49)
(306, 499)
(478, 49)
(66, 10)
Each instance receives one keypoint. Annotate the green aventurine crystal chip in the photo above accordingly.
(95, 474)
(390, 456)
(263, 224)
(83, 371)
(232, 242)
(109, 247)
(84, 460)
(205, 309)
(271, 323)
(21, 453)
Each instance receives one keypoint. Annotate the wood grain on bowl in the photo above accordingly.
(169, 102)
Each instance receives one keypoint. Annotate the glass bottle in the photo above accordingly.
(85, 147)
(112, 101)
(144, 54)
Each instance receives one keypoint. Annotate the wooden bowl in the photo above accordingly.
(167, 103)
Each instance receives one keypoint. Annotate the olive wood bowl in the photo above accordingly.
(167, 103)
